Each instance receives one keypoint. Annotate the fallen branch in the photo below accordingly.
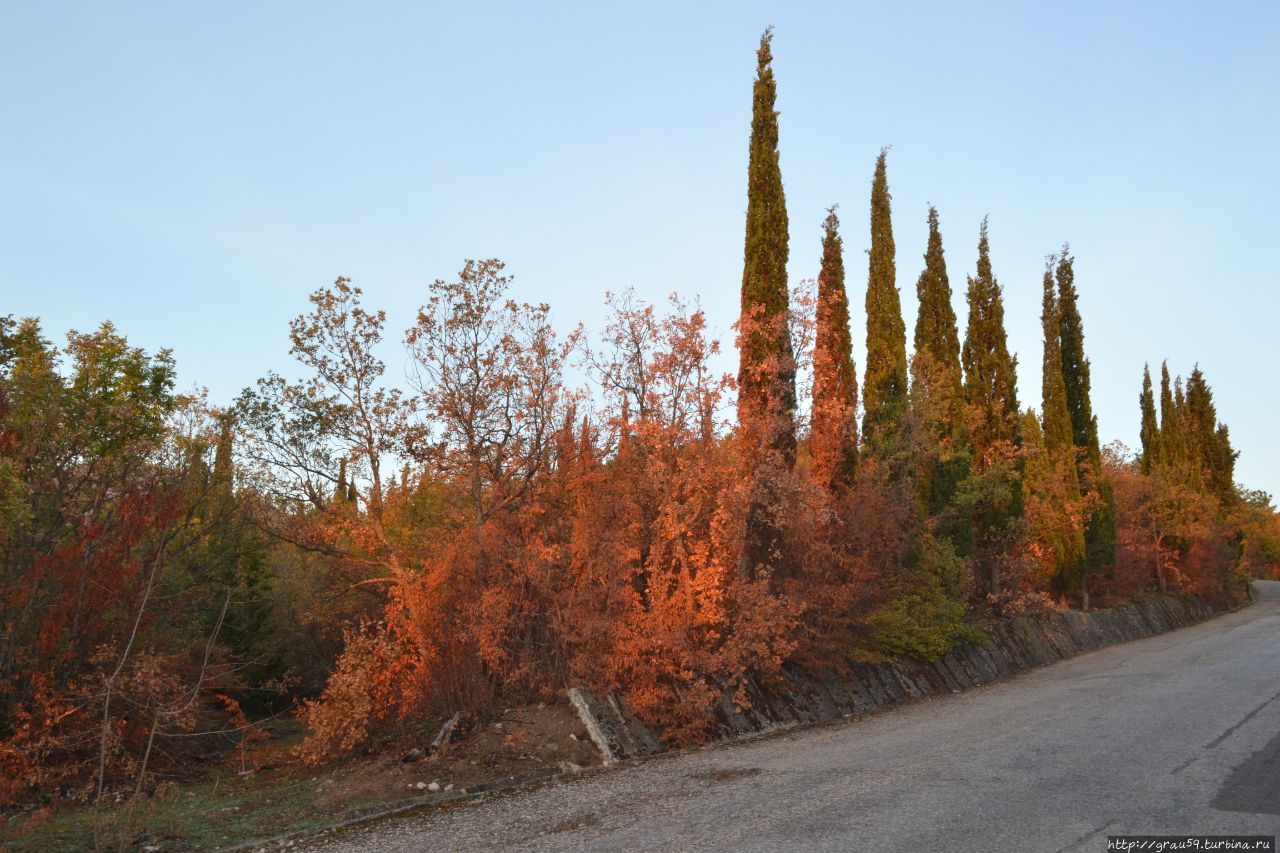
(441, 743)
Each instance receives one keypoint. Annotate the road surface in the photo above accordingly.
(1174, 734)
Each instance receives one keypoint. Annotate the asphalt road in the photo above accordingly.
(1174, 734)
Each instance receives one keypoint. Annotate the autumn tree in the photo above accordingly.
(1162, 520)
(113, 638)
(323, 449)
(833, 441)
(766, 374)
(340, 425)
(884, 387)
(489, 371)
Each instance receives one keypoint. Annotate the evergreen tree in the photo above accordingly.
(1170, 434)
(993, 492)
(1075, 366)
(1055, 480)
(884, 388)
(1053, 388)
(936, 379)
(937, 395)
(1223, 472)
(1208, 442)
(234, 556)
(766, 373)
(990, 372)
(833, 440)
(1100, 532)
(1152, 446)
(222, 474)
(340, 493)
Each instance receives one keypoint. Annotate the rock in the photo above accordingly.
(572, 736)
(434, 786)
(570, 767)
(449, 787)
(411, 756)
(421, 786)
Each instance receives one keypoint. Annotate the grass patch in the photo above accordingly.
(205, 816)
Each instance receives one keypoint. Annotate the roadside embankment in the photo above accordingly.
(1014, 646)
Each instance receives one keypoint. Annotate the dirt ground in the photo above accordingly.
(521, 741)
(227, 807)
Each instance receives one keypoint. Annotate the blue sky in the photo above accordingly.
(192, 171)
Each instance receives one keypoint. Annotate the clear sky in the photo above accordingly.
(191, 171)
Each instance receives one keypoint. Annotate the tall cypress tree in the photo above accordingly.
(1208, 442)
(884, 388)
(833, 438)
(341, 493)
(936, 379)
(1060, 481)
(994, 422)
(766, 373)
(222, 472)
(1055, 413)
(1170, 437)
(937, 395)
(1180, 408)
(1152, 446)
(1100, 533)
(990, 372)
(1075, 366)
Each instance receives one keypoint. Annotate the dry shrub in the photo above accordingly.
(372, 687)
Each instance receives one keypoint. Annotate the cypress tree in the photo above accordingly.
(1100, 532)
(884, 388)
(1075, 366)
(937, 395)
(936, 379)
(834, 429)
(1170, 434)
(1224, 469)
(340, 493)
(1152, 446)
(1201, 419)
(1208, 442)
(1053, 388)
(1059, 481)
(990, 372)
(766, 372)
(1184, 465)
(994, 423)
(222, 474)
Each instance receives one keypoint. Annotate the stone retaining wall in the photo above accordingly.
(1015, 646)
